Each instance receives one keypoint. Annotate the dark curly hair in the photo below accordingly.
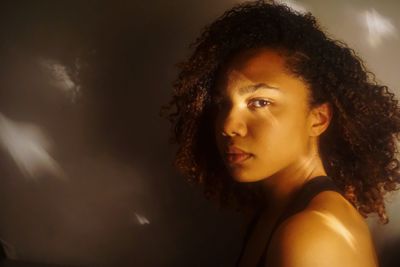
(359, 147)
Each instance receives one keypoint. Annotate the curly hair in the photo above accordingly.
(358, 149)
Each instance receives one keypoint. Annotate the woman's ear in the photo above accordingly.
(319, 118)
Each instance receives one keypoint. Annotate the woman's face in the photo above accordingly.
(262, 110)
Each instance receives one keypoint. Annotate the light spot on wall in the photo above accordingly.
(29, 147)
(378, 26)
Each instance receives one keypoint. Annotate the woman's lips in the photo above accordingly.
(237, 158)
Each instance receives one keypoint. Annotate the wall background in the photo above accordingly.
(84, 160)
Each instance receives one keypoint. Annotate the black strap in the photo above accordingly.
(300, 201)
(249, 230)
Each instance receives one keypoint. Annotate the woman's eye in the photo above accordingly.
(259, 103)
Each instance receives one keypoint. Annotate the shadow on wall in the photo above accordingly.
(89, 79)
(390, 256)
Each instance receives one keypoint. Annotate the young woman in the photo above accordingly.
(275, 118)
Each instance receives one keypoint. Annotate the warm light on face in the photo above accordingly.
(261, 110)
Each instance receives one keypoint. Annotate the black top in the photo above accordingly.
(300, 201)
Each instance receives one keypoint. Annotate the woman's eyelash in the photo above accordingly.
(220, 101)
(266, 102)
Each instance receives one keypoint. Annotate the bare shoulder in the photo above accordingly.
(329, 232)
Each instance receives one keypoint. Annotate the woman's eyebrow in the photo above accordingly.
(250, 89)
(253, 88)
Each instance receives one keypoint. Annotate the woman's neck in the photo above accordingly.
(281, 187)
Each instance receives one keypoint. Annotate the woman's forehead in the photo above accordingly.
(263, 65)
(262, 57)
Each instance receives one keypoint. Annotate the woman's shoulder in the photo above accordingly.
(329, 232)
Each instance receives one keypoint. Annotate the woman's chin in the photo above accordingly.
(243, 178)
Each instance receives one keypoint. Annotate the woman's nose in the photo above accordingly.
(233, 124)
